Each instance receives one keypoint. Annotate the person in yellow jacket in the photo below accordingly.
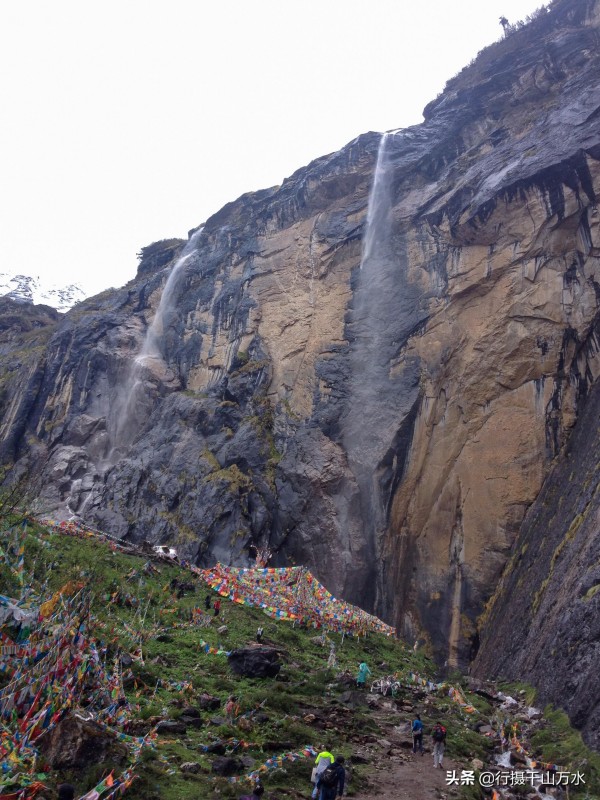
(322, 761)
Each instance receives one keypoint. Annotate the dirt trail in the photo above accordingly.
(415, 779)
(395, 773)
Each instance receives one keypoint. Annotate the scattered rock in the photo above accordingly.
(217, 749)
(404, 729)
(192, 722)
(222, 629)
(255, 662)
(482, 689)
(75, 743)
(354, 698)
(190, 711)
(406, 744)
(476, 763)
(534, 713)
(171, 726)
(517, 758)
(270, 745)
(209, 703)
(507, 700)
(191, 767)
(138, 727)
(226, 766)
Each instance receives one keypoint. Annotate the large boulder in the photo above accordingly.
(354, 698)
(75, 743)
(255, 662)
(209, 703)
(171, 727)
(226, 766)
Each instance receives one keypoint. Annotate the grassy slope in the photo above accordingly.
(304, 687)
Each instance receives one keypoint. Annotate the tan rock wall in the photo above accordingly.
(496, 369)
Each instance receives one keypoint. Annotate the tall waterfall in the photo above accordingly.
(132, 406)
(372, 327)
(382, 386)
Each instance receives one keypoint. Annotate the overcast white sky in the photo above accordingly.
(129, 121)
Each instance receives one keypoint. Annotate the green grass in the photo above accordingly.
(304, 686)
(514, 689)
(558, 743)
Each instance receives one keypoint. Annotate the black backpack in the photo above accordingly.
(330, 776)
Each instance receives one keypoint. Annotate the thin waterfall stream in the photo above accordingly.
(151, 346)
(371, 327)
(380, 389)
(130, 411)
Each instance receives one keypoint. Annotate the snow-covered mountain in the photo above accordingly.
(33, 289)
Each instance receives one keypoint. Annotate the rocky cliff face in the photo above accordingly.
(543, 622)
(370, 376)
(509, 348)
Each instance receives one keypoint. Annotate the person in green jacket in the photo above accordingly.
(322, 761)
(363, 672)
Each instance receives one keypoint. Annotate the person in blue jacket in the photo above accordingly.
(417, 732)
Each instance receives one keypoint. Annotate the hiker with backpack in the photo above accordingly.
(331, 781)
(417, 732)
(322, 761)
(439, 740)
